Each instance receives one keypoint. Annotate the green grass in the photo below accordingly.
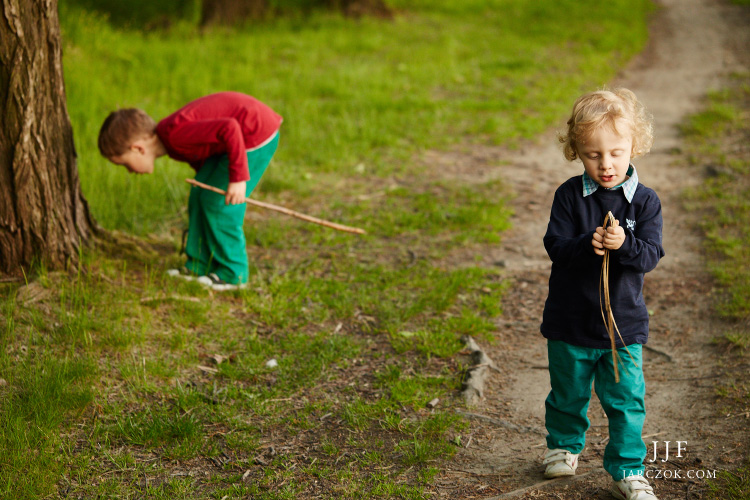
(716, 137)
(43, 386)
(731, 485)
(360, 99)
(125, 384)
(157, 392)
(716, 141)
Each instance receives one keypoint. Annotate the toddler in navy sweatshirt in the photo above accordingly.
(605, 131)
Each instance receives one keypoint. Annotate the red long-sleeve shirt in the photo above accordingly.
(225, 122)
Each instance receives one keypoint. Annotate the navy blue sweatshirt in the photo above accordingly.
(572, 311)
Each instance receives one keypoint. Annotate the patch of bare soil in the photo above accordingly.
(694, 45)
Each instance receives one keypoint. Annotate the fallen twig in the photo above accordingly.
(657, 351)
(730, 451)
(503, 423)
(477, 474)
(696, 378)
(606, 439)
(146, 300)
(12, 279)
(652, 435)
(545, 484)
(283, 210)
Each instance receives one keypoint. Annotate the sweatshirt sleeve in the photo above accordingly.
(564, 245)
(224, 131)
(642, 248)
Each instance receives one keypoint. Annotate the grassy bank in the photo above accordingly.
(717, 142)
(119, 383)
(360, 98)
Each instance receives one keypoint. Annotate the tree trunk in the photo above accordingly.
(43, 215)
(359, 8)
(237, 11)
(232, 11)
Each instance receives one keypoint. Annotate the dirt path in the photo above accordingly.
(694, 44)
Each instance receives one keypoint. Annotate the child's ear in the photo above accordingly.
(139, 145)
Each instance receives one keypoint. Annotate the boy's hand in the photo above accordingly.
(612, 238)
(598, 241)
(235, 193)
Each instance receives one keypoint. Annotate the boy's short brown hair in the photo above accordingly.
(606, 108)
(121, 128)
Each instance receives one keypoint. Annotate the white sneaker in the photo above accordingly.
(181, 273)
(633, 488)
(204, 280)
(560, 463)
(215, 283)
(211, 281)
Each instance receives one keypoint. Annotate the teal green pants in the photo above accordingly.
(572, 369)
(216, 235)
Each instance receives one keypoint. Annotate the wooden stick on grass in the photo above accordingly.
(283, 210)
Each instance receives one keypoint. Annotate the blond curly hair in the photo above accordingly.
(608, 108)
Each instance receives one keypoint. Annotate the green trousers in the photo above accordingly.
(572, 369)
(216, 235)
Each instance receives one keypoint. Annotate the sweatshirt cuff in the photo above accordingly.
(238, 177)
(627, 245)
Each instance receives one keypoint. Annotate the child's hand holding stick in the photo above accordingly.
(298, 215)
(608, 238)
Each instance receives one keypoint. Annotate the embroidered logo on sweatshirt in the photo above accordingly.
(630, 223)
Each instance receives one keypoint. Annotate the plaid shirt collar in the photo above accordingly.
(628, 187)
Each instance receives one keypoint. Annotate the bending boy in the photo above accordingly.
(228, 138)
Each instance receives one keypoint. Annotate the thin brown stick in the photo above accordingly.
(12, 279)
(657, 351)
(526, 429)
(548, 483)
(606, 306)
(283, 210)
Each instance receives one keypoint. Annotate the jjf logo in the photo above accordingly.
(680, 449)
(630, 223)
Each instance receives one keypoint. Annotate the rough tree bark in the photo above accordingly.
(231, 11)
(43, 214)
